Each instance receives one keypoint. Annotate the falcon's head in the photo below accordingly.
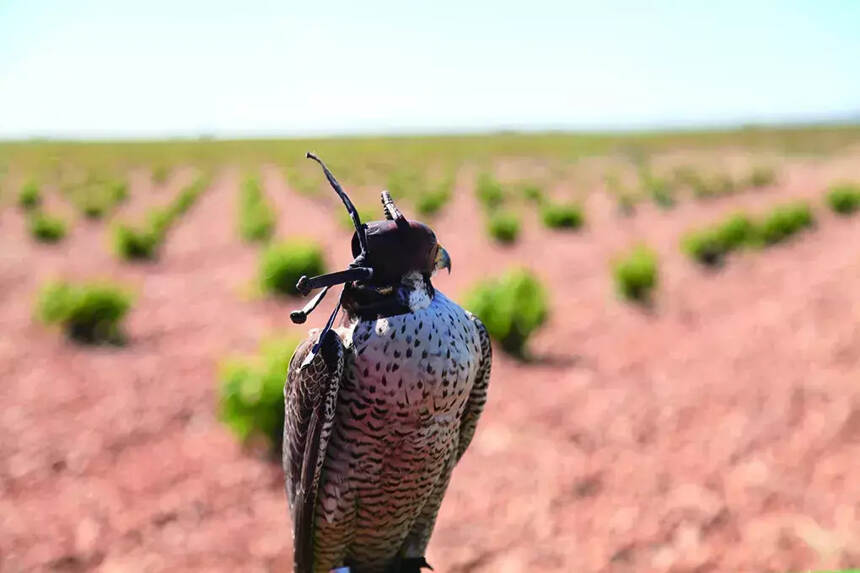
(393, 261)
(397, 247)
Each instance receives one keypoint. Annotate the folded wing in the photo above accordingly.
(310, 397)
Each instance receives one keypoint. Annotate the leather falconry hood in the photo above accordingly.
(383, 252)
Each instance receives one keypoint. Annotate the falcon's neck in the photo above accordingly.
(419, 290)
(414, 293)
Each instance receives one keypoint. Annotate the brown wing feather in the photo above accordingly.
(310, 397)
(478, 396)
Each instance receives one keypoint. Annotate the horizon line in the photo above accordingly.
(846, 120)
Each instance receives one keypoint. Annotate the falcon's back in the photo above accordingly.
(410, 395)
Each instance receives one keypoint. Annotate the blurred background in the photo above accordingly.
(653, 206)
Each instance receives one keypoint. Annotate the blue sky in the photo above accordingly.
(97, 68)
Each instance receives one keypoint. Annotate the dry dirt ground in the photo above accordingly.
(718, 431)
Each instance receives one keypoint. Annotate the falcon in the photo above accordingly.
(381, 408)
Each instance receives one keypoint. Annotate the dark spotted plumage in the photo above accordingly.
(408, 400)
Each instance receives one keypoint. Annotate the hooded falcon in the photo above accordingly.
(380, 409)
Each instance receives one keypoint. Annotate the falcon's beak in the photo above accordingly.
(443, 260)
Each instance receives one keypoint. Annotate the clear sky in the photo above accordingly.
(107, 68)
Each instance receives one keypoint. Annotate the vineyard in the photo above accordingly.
(676, 318)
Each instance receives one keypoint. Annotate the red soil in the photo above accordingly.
(719, 431)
